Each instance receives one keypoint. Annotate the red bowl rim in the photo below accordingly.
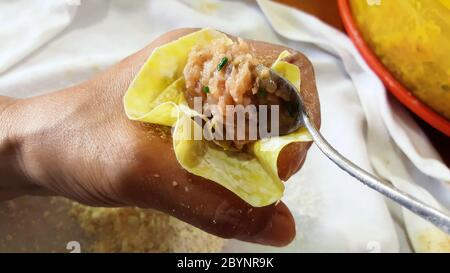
(394, 86)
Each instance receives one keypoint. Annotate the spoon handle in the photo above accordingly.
(435, 216)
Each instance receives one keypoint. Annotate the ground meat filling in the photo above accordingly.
(228, 74)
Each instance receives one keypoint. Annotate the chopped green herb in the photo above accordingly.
(222, 63)
(205, 89)
(262, 92)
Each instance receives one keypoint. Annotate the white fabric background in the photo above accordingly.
(51, 44)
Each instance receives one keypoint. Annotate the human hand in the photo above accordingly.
(78, 143)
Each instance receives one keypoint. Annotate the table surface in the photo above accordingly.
(327, 11)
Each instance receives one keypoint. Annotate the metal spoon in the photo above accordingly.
(435, 216)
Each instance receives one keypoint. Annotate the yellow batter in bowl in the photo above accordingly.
(412, 39)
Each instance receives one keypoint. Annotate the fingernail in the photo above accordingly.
(278, 230)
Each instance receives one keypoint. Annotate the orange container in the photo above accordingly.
(394, 85)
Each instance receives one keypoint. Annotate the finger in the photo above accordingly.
(291, 159)
(158, 181)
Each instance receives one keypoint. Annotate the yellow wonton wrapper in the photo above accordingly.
(157, 96)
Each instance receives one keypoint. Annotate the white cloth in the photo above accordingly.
(67, 42)
(384, 128)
